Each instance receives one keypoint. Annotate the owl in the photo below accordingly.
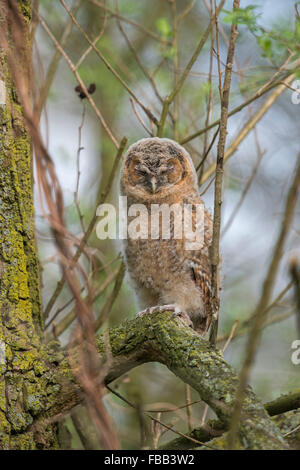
(165, 274)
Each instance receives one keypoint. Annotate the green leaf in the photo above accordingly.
(244, 16)
(266, 45)
(170, 52)
(206, 86)
(163, 27)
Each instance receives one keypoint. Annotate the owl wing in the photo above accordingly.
(202, 280)
(201, 273)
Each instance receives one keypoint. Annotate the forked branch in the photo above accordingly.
(161, 338)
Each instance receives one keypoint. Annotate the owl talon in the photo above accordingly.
(156, 309)
(142, 313)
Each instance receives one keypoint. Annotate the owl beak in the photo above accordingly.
(153, 185)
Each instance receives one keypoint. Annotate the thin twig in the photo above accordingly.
(140, 119)
(251, 123)
(131, 22)
(259, 315)
(243, 195)
(244, 326)
(278, 318)
(218, 52)
(200, 165)
(215, 246)
(208, 186)
(70, 316)
(295, 275)
(169, 99)
(103, 315)
(55, 59)
(80, 148)
(97, 38)
(175, 66)
(78, 78)
(282, 84)
(108, 65)
(231, 335)
(159, 422)
(209, 102)
(90, 228)
(188, 407)
(136, 56)
(292, 431)
(184, 12)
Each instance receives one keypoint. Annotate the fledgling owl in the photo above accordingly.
(159, 171)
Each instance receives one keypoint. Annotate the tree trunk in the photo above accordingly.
(20, 305)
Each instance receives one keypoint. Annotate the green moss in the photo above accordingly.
(190, 357)
(25, 7)
(23, 388)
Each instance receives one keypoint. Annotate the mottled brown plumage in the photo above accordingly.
(163, 271)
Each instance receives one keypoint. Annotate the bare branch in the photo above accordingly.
(108, 65)
(215, 246)
(213, 428)
(90, 228)
(169, 99)
(251, 123)
(131, 22)
(282, 84)
(55, 59)
(83, 87)
(259, 314)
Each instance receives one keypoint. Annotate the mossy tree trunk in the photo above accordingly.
(20, 305)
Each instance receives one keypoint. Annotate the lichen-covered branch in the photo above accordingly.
(281, 406)
(289, 425)
(159, 337)
(20, 307)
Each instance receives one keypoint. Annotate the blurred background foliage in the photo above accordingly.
(269, 33)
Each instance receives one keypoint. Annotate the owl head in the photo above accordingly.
(155, 167)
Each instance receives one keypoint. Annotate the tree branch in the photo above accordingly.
(250, 124)
(218, 196)
(281, 84)
(259, 315)
(161, 338)
(213, 428)
(179, 83)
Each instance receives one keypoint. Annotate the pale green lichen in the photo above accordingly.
(22, 394)
(192, 359)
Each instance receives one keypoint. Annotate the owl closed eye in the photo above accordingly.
(152, 176)
(154, 166)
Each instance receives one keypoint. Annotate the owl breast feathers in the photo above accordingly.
(163, 271)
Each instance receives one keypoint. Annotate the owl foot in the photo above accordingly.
(157, 309)
(165, 308)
